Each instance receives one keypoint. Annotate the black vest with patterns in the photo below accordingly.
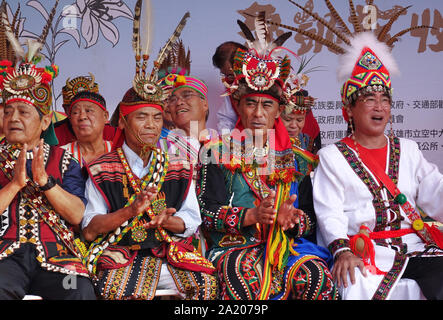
(108, 175)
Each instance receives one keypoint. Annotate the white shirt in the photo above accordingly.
(226, 117)
(189, 211)
(343, 203)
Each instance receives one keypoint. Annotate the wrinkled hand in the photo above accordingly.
(288, 216)
(19, 178)
(265, 213)
(38, 165)
(346, 263)
(143, 200)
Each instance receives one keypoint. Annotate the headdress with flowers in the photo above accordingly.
(176, 66)
(296, 97)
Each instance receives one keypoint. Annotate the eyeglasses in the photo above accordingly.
(185, 96)
(371, 102)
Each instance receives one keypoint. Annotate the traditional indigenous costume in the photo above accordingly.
(366, 199)
(260, 261)
(38, 248)
(299, 102)
(132, 262)
(83, 89)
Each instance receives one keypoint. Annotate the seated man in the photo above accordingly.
(126, 217)
(227, 116)
(142, 209)
(63, 129)
(41, 196)
(256, 198)
(368, 186)
(88, 116)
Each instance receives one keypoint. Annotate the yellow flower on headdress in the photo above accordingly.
(180, 80)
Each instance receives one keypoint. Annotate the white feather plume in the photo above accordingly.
(261, 30)
(147, 24)
(34, 47)
(348, 60)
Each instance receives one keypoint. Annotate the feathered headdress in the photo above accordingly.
(176, 66)
(260, 66)
(148, 86)
(296, 97)
(366, 61)
(7, 51)
(25, 82)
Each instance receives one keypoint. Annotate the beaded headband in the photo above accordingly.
(77, 85)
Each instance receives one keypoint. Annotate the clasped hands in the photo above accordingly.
(143, 201)
(288, 216)
(39, 174)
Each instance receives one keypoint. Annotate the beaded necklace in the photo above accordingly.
(78, 155)
(159, 163)
(139, 233)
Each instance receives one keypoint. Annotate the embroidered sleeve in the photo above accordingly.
(217, 214)
(338, 245)
(306, 204)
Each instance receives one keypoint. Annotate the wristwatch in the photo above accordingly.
(50, 184)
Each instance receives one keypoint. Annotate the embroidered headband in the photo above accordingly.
(191, 82)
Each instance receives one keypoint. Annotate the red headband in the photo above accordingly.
(88, 100)
(127, 109)
(264, 95)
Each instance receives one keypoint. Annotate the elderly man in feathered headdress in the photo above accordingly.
(41, 187)
(143, 211)
(255, 190)
(369, 185)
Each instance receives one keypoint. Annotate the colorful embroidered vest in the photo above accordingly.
(108, 174)
(245, 191)
(23, 223)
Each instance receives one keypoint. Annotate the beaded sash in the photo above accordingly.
(400, 259)
(155, 177)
